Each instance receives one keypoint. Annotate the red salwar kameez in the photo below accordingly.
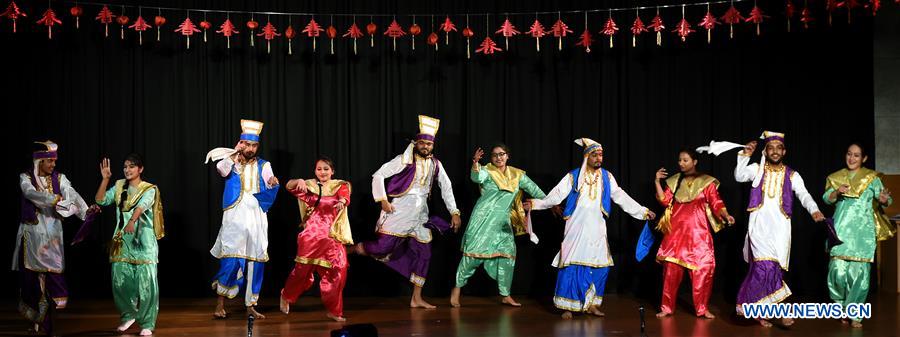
(320, 247)
(688, 242)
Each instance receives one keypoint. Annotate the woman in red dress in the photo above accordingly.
(692, 206)
(320, 247)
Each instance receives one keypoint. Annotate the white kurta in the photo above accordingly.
(245, 228)
(411, 209)
(585, 241)
(44, 241)
(769, 228)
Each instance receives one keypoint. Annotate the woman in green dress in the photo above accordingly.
(133, 251)
(499, 216)
(859, 221)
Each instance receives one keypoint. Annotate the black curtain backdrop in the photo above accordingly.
(99, 97)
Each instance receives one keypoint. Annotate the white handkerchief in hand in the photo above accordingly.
(531, 236)
(717, 148)
(219, 153)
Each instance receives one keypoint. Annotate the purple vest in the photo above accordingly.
(29, 210)
(401, 182)
(787, 195)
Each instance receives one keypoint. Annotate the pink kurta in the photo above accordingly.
(689, 243)
(318, 252)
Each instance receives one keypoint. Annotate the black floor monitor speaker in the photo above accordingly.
(356, 330)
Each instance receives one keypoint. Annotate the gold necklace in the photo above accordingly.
(773, 177)
(592, 192)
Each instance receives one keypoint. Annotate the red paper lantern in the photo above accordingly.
(159, 20)
(252, 25)
(205, 25)
(122, 20)
(371, 29)
(76, 12)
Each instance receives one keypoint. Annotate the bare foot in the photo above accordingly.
(454, 297)
(856, 324)
(787, 321)
(284, 305)
(146, 332)
(595, 310)
(508, 300)
(662, 314)
(845, 321)
(567, 315)
(220, 308)
(765, 323)
(420, 303)
(256, 315)
(336, 318)
(708, 315)
(125, 325)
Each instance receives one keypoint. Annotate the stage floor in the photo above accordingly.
(479, 316)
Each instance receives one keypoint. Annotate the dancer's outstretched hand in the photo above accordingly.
(884, 196)
(730, 220)
(296, 185)
(662, 174)
(129, 228)
(477, 156)
(818, 216)
(455, 222)
(105, 172)
(238, 156)
(526, 205)
(749, 148)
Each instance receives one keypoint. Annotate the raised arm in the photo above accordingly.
(663, 195)
(105, 174)
(225, 166)
(743, 172)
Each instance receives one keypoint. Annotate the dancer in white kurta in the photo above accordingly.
(47, 197)
(767, 246)
(242, 243)
(584, 258)
(404, 241)
(411, 209)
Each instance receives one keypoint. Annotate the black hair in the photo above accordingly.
(694, 155)
(327, 161)
(862, 149)
(135, 159)
(690, 152)
(500, 145)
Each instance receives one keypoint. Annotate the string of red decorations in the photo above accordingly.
(731, 15)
